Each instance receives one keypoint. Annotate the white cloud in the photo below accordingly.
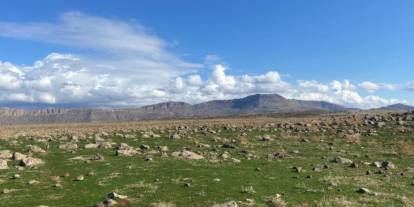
(369, 86)
(372, 87)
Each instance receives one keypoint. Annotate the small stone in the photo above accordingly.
(342, 160)
(227, 204)
(3, 164)
(79, 178)
(57, 185)
(297, 169)
(114, 195)
(5, 154)
(31, 162)
(5, 191)
(32, 182)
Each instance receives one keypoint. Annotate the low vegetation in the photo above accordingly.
(348, 159)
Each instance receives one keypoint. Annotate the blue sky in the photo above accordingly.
(355, 53)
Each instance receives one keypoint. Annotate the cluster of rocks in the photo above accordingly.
(23, 159)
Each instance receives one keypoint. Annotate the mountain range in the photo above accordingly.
(259, 104)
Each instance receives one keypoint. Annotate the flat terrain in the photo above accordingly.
(330, 160)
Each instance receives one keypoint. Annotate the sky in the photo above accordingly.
(99, 53)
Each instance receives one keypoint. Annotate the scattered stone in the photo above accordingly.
(386, 165)
(36, 149)
(19, 156)
(162, 204)
(227, 204)
(5, 191)
(125, 150)
(175, 136)
(79, 178)
(3, 164)
(266, 138)
(32, 182)
(91, 146)
(187, 155)
(276, 201)
(31, 162)
(16, 176)
(5, 154)
(297, 169)
(366, 191)
(342, 160)
(68, 146)
(113, 195)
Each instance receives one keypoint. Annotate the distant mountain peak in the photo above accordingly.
(398, 107)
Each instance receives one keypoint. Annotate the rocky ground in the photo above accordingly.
(349, 159)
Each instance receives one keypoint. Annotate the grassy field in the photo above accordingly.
(260, 164)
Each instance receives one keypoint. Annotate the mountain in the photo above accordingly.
(259, 104)
(398, 107)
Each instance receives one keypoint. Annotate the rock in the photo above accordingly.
(113, 195)
(19, 156)
(36, 149)
(91, 146)
(227, 204)
(276, 201)
(32, 182)
(3, 164)
(175, 136)
(113, 199)
(163, 148)
(105, 145)
(187, 155)
(266, 138)
(354, 165)
(5, 191)
(79, 178)
(377, 164)
(162, 204)
(16, 176)
(125, 150)
(144, 147)
(386, 165)
(5, 154)
(297, 169)
(31, 162)
(342, 160)
(68, 146)
(366, 191)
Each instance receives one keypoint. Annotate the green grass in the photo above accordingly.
(164, 179)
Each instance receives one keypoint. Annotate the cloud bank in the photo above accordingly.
(129, 66)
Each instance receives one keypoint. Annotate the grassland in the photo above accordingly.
(251, 161)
